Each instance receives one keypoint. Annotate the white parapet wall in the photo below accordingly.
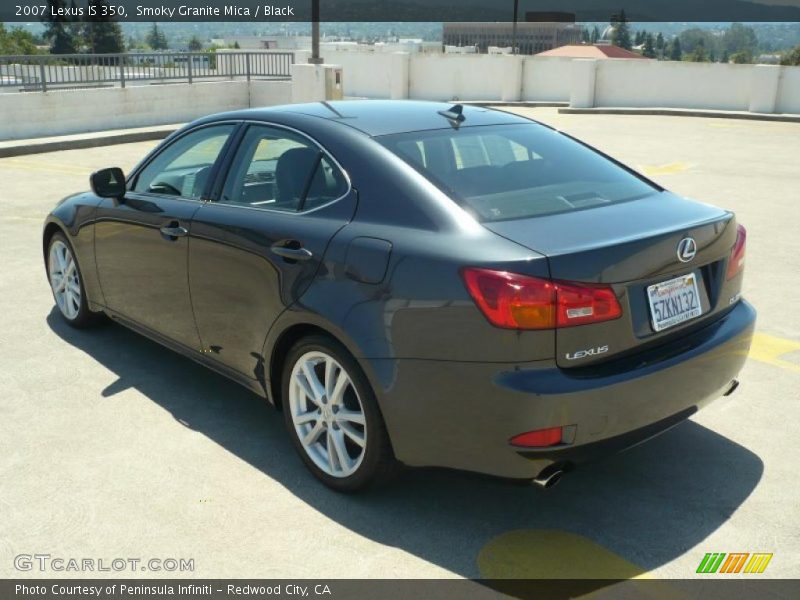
(546, 79)
(37, 114)
(583, 83)
(444, 77)
(649, 83)
(456, 76)
(788, 100)
(367, 74)
(617, 83)
(764, 82)
(269, 93)
(316, 82)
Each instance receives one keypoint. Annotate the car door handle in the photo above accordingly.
(291, 251)
(174, 230)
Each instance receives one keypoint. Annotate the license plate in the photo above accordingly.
(674, 301)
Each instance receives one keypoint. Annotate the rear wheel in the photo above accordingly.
(66, 283)
(333, 417)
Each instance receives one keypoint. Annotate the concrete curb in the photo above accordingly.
(681, 112)
(80, 142)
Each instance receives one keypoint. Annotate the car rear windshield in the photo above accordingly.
(506, 172)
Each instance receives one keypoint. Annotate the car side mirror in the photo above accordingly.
(108, 183)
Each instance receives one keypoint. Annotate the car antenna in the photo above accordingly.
(333, 110)
(454, 114)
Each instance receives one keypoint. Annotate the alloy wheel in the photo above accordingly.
(64, 280)
(327, 414)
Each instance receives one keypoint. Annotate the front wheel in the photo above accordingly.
(66, 283)
(333, 417)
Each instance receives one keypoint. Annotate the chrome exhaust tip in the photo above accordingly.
(549, 477)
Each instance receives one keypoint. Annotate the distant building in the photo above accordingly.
(532, 37)
(591, 51)
(768, 59)
(268, 42)
(410, 46)
(166, 58)
(460, 50)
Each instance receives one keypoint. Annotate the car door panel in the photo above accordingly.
(257, 247)
(142, 240)
(239, 285)
(142, 271)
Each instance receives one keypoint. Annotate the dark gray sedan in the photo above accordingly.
(416, 283)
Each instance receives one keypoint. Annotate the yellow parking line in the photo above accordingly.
(665, 169)
(551, 554)
(770, 349)
(547, 554)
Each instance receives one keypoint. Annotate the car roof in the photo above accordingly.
(385, 117)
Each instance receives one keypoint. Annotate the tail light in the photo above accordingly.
(736, 262)
(515, 301)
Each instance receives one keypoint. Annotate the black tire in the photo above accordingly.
(84, 317)
(378, 465)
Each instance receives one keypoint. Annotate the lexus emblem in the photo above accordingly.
(687, 248)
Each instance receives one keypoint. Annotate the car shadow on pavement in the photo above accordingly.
(648, 505)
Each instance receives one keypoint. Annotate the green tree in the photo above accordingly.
(103, 35)
(60, 31)
(638, 39)
(195, 45)
(649, 50)
(792, 58)
(660, 43)
(699, 54)
(595, 35)
(17, 41)
(156, 39)
(621, 35)
(742, 58)
(691, 38)
(738, 38)
(585, 36)
(675, 51)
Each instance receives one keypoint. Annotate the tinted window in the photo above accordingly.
(280, 170)
(183, 168)
(516, 171)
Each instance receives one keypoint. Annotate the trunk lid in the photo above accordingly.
(631, 246)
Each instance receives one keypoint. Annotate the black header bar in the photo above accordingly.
(277, 11)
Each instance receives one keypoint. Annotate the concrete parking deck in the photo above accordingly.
(111, 446)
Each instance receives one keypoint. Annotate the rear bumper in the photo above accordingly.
(461, 415)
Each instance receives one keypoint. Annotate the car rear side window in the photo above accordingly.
(183, 167)
(516, 171)
(280, 170)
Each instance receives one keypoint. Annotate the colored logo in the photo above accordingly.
(735, 562)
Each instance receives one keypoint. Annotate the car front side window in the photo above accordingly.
(183, 168)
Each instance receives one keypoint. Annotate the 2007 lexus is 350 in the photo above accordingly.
(416, 283)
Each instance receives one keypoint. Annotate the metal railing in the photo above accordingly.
(41, 72)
